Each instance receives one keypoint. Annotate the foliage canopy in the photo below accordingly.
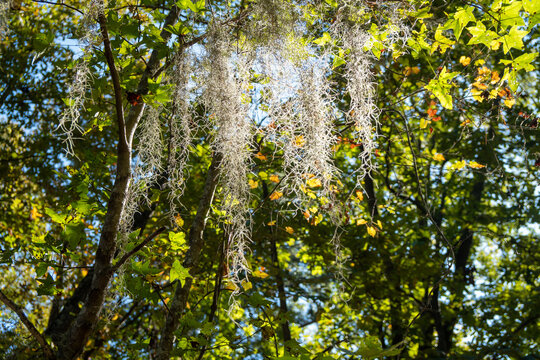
(269, 179)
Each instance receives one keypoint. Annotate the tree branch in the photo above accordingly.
(196, 243)
(126, 256)
(31, 328)
(123, 141)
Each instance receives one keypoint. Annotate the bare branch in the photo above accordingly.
(126, 257)
(59, 4)
(31, 328)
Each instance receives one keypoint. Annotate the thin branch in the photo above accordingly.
(22, 316)
(59, 4)
(123, 143)
(126, 256)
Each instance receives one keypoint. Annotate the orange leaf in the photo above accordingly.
(276, 195)
(475, 165)
(438, 157)
(260, 156)
(253, 184)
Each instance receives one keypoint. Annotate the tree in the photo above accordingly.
(269, 179)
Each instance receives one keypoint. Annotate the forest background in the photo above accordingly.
(269, 179)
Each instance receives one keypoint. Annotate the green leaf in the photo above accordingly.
(510, 75)
(509, 15)
(531, 6)
(323, 40)
(338, 61)
(441, 42)
(422, 13)
(41, 269)
(144, 268)
(57, 218)
(188, 4)
(441, 86)
(480, 35)
(178, 241)
(208, 328)
(463, 16)
(178, 272)
(514, 39)
(522, 62)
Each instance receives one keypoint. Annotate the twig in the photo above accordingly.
(126, 256)
(59, 4)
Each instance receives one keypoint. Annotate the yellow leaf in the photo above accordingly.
(477, 95)
(260, 274)
(276, 195)
(361, 222)
(274, 178)
(509, 102)
(272, 223)
(423, 123)
(495, 77)
(359, 195)
(379, 223)
(459, 165)
(314, 182)
(483, 71)
(253, 184)
(495, 45)
(246, 285)
(231, 286)
(317, 219)
(416, 70)
(480, 85)
(84, 272)
(260, 156)
(34, 214)
(476, 165)
(299, 141)
(464, 60)
(371, 231)
(289, 229)
(179, 221)
(438, 157)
